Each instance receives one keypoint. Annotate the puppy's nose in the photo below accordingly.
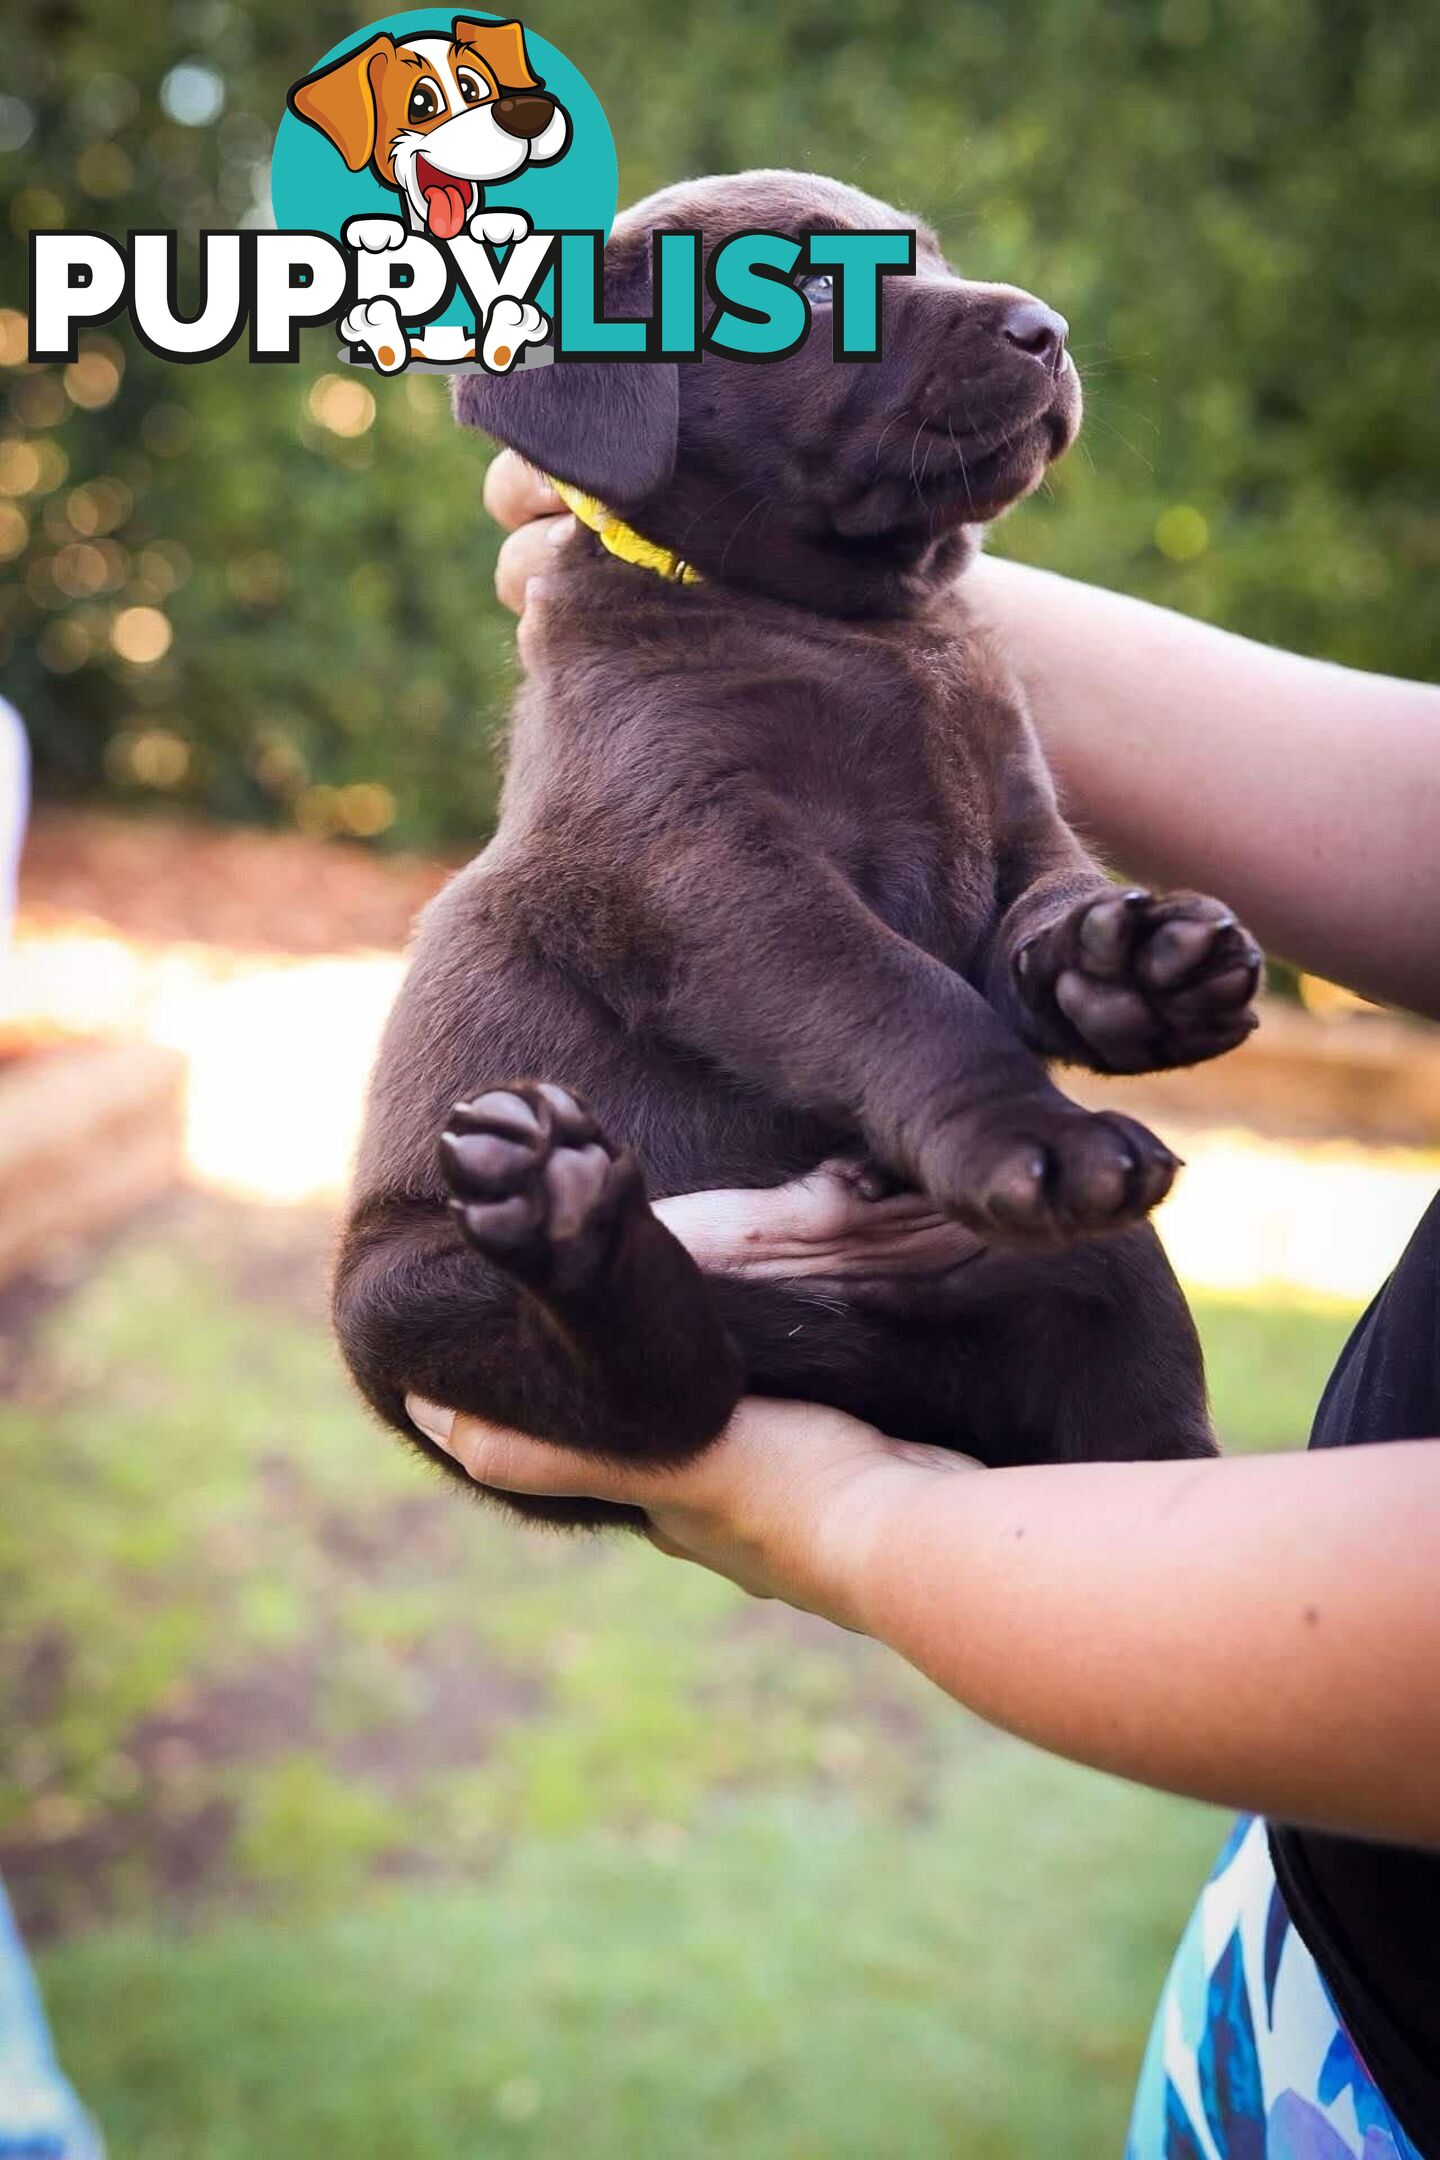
(526, 116)
(1035, 329)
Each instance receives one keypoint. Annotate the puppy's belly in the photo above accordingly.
(693, 1130)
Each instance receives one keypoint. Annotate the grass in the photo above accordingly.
(356, 1820)
(788, 1980)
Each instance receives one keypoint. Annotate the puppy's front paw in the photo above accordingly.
(501, 228)
(510, 327)
(1043, 1172)
(534, 1184)
(375, 327)
(376, 235)
(1143, 980)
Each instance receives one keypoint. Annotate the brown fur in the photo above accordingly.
(780, 873)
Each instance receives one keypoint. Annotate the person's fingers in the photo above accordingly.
(526, 556)
(514, 1462)
(517, 1462)
(771, 1224)
(816, 1225)
(515, 493)
(663, 1544)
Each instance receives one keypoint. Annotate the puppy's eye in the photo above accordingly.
(424, 103)
(819, 288)
(472, 89)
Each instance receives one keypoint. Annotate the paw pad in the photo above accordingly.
(533, 1184)
(1144, 981)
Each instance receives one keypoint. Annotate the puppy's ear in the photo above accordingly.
(608, 427)
(501, 47)
(342, 100)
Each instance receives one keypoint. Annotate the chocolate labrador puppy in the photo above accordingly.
(780, 873)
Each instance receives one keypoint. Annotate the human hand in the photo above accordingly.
(823, 1224)
(793, 1501)
(523, 501)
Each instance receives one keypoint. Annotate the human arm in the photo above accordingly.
(1307, 795)
(1260, 1631)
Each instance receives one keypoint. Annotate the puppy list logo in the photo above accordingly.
(443, 187)
(447, 156)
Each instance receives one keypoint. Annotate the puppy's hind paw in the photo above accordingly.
(535, 1186)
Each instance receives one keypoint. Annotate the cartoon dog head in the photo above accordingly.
(435, 118)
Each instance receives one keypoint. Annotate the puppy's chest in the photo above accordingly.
(897, 786)
(881, 744)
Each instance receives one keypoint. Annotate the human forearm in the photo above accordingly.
(1261, 1632)
(1307, 795)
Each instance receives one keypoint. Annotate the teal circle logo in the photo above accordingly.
(456, 130)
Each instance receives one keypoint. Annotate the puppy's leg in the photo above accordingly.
(781, 974)
(1082, 1356)
(568, 1310)
(1121, 981)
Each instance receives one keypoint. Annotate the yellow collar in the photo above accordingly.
(623, 540)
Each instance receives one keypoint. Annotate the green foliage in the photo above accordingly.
(1266, 1360)
(231, 1612)
(798, 1984)
(711, 1876)
(1231, 199)
(248, 1648)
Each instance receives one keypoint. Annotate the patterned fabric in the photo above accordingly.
(40, 2117)
(1248, 2059)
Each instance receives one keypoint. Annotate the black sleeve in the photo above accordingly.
(1370, 1914)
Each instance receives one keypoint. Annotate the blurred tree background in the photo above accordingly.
(224, 586)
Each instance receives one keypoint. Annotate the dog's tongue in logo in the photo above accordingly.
(447, 200)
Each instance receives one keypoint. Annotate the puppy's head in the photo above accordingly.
(435, 118)
(886, 462)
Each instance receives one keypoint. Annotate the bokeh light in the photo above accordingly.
(104, 170)
(86, 567)
(1182, 533)
(36, 209)
(64, 645)
(260, 578)
(193, 93)
(14, 531)
(39, 400)
(366, 808)
(153, 757)
(141, 635)
(342, 405)
(163, 568)
(17, 122)
(99, 506)
(94, 379)
(20, 467)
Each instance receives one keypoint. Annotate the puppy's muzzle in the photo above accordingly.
(524, 115)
